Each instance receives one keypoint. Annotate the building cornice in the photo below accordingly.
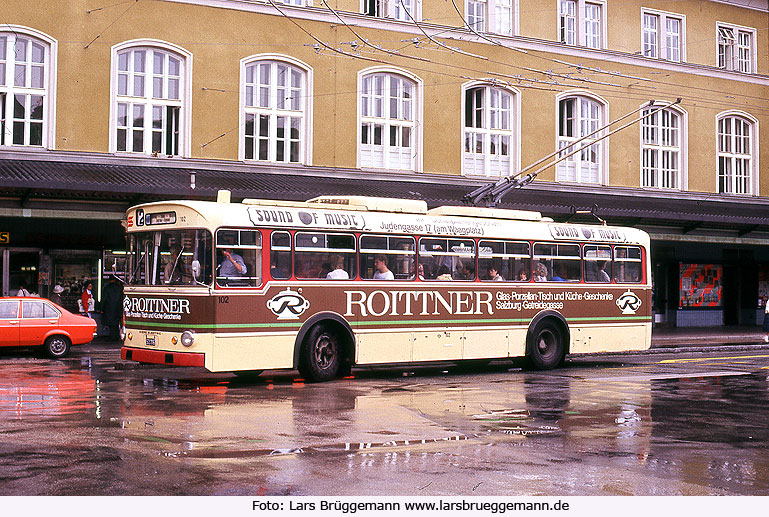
(319, 14)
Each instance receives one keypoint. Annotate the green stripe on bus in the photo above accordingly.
(401, 323)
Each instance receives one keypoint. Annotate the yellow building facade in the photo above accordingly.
(457, 92)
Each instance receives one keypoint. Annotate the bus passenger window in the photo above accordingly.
(561, 262)
(510, 261)
(385, 257)
(597, 263)
(447, 259)
(239, 258)
(280, 255)
(324, 255)
(628, 265)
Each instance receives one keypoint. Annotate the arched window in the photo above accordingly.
(150, 88)
(388, 121)
(275, 112)
(25, 98)
(579, 116)
(736, 148)
(661, 143)
(489, 138)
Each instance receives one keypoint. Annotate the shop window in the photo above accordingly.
(239, 258)
(700, 285)
(324, 255)
(504, 260)
(386, 257)
(447, 259)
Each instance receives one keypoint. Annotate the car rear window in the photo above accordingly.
(9, 309)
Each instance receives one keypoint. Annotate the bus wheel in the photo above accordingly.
(546, 346)
(321, 357)
(57, 346)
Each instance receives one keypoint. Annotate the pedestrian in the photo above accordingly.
(56, 295)
(88, 303)
(766, 322)
(112, 307)
(22, 291)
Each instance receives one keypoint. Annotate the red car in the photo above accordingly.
(40, 322)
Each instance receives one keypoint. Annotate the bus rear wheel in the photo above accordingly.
(546, 346)
(321, 357)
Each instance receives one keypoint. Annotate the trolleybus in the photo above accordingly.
(342, 281)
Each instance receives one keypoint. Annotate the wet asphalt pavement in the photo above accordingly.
(647, 424)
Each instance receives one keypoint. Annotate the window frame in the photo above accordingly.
(733, 157)
(659, 149)
(602, 153)
(304, 113)
(512, 133)
(389, 253)
(148, 100)
(663, 35)
(391, 9)
(254, 268)
(580, 35)
(387, 122)
(491, 17)
(9, 90)
(734, 61)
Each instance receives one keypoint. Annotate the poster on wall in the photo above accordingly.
(699, 285)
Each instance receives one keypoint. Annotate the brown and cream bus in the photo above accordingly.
(324, 285)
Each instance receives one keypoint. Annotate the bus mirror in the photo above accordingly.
(195, 270)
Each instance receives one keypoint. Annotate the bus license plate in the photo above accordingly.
(150, 340)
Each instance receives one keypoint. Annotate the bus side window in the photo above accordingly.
(385, 257)
(447, 259)
(561, 262)
(324, 255)
(510, 261)
(627, 264)
(239, 258)
(597, 262)
(280, 255)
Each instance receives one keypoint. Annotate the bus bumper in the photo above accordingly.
(160, 357)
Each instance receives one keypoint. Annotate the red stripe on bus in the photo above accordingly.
(160, 357)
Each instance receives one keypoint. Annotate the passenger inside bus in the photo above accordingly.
(494, 275)
(540, 272)
(382, 271)
(337, 269)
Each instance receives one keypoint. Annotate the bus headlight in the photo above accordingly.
(188, 337)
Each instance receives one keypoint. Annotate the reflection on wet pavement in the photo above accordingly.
(95, 425)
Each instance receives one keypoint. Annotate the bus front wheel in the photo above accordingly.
(546, 346)
(321, 356)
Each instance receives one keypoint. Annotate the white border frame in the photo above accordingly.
(664, 15)
(604, 169)
(308, 103)
(418, 114)
(754, 152)
(186, 119)
(753, 47)
(515, 162)
(684, 149)
(580, 28)
(49, 121)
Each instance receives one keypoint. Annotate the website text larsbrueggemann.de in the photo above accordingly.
(352, 507)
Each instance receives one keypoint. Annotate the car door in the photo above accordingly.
(34, 324)
(9, 322)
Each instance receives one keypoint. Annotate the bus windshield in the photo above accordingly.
(170, 257)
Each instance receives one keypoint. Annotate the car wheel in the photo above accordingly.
(57, 346)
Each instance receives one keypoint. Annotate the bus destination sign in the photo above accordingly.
(586, 233)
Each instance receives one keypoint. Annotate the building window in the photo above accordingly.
(392, 9)
(735, 155)
(24, 90)
(275, 112)
(490, 15)
(661, 149)
(735, 48)
(149, 101)
(388, 122)
(581, 23)
(661, 35)
(578, 117)
(489, 138)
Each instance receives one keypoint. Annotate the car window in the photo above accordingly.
(50, 311)
(32, 310)
(9, 309)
